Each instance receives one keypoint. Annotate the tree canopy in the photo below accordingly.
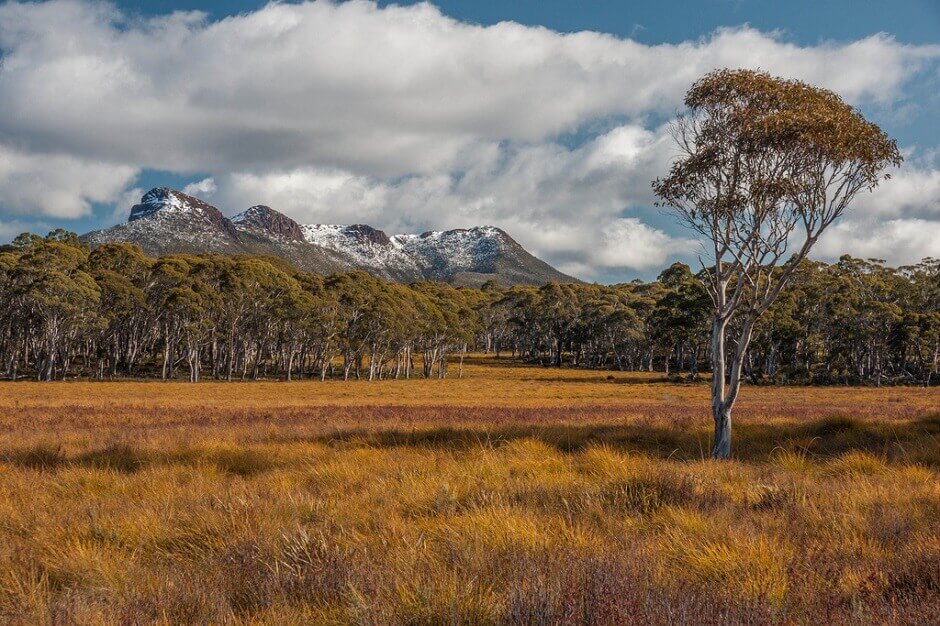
(111, 312)
(765, 166)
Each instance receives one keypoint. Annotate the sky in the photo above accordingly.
(546, 118)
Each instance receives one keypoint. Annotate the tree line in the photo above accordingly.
(70, 311)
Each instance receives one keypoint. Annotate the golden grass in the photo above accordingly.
(514, 495)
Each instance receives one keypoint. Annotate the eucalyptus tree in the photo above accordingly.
(168, 273)
(527, 321)
(765, 164)
(388, 324)
(191, 308)
(122, 272)
(322, 324)
(113, 310)
(449, 323)
(611, 326)
(642, 298)
(560, 309)
(493, 317)
(355, 296)
(293, 316)
(875, 314)
(252, 290)
(679, 322)
(59, 300)
(12, 315)
(922, 316)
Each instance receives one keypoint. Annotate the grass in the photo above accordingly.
(513, 495)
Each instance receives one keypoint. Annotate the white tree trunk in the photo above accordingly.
(721, 410)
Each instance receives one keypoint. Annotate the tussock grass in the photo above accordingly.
(571, 509)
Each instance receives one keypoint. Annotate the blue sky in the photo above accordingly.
(808, 21)
(438, 116)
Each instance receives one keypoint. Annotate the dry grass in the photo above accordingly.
(514, 495)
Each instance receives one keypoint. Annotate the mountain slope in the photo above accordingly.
(168, 221)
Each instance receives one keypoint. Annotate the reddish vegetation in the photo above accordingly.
(514, 495)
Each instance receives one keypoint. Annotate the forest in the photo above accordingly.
(70, 311)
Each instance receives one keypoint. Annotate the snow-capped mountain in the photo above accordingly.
(168, 221)
(367, 248)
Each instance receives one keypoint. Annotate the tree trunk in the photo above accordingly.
(720, 411)
(231, 354)
(722, 447)
(166, 358)
(724, 396)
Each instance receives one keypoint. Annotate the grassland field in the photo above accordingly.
(513, 495)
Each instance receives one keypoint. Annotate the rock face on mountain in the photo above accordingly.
(264, 219)
(168, 221)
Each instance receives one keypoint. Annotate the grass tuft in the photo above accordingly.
(510, 496)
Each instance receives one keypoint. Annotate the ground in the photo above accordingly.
(513, 495)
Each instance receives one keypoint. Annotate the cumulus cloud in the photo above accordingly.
(898, 222)
(914, 191)
(203, 188)
(898, 241)
(397, 116)
(562, 203)
(58, 185)
(383, 91)
(120, 207)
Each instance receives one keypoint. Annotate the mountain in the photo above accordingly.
(168, 221)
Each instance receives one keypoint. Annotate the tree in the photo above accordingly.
(121, 271)
(680, 318)
(764, 163)
(559, 308)
(65, 310)
(60, 299)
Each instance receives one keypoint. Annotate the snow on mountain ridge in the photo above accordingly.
(246, 215)
(445, 251)
(167, 214)
(167, 221)
(163, 200)
(368, 248)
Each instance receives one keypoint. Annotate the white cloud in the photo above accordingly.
(398, 116)
(913, 191)
(628, 242)
(564, 204)
(898, 222)
(379, 91)
(898, 241)
(121, 206)
(204, 188)
(58, 185)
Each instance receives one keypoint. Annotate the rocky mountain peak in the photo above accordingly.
(167, 221)
(364, 233)
(264, 218)
(164, 203)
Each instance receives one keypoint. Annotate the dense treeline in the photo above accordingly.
(70, 311)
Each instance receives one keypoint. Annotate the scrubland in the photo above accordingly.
(513, 495)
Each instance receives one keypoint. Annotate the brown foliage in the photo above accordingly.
(514, 495)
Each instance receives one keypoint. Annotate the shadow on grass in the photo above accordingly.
(609, 379)
(906, 442)
(917, 441)
(127, 459)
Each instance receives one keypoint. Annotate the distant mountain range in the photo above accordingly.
(168, 221)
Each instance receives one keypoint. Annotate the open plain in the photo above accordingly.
(514, 494)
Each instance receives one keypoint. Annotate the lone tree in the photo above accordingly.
(765, 166)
